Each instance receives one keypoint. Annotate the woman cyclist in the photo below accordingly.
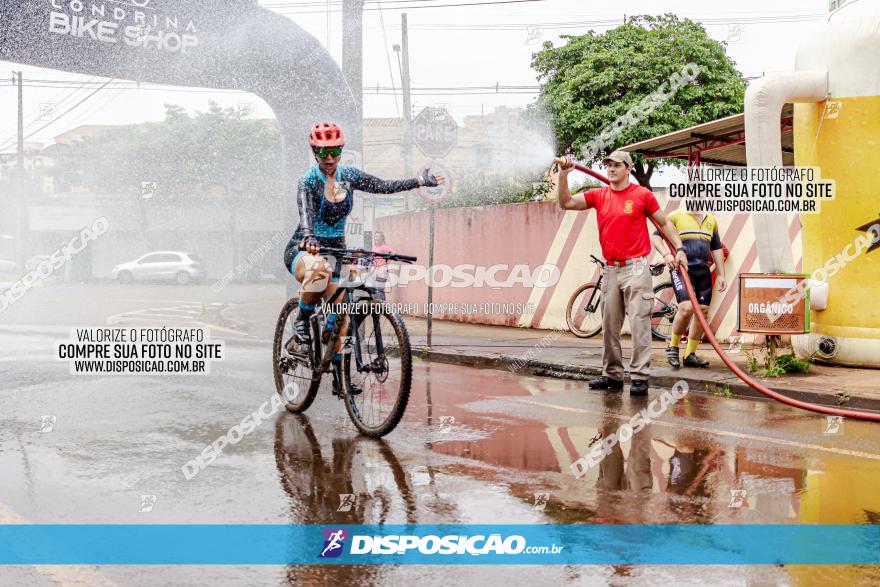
(325, 197)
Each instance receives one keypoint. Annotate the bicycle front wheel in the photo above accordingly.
(584, 311)
(295, 381)
(377, 372)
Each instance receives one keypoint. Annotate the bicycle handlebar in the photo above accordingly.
(365, 254)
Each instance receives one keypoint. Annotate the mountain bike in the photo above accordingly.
(373, 377)
(584, 310)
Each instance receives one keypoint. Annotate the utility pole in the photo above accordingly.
(21, 202)
(353, 53)
(353, 72)
(407, 107)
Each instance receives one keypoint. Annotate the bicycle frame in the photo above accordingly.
(321, 357)
(591, 307)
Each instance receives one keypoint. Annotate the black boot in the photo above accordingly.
(604, 382)
(638, 387)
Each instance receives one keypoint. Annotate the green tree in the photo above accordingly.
(184, 155)
(592, 80)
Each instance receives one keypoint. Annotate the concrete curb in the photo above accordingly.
(728, 386)
(665, 378)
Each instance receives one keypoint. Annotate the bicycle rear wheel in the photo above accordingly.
(664, 311)
(377, 373)
(584, 311)
(295, 381)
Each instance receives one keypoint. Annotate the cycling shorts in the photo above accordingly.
(701, 279)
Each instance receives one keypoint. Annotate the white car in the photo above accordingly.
(182, 268)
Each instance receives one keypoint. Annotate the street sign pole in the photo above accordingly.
(430, 272)
(433, 198)
(436, 134)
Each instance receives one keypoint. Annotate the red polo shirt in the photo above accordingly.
(623, 228)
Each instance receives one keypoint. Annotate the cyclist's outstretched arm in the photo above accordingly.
(371, 184)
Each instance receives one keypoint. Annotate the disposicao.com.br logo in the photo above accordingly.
(334, 542)
(430, 544)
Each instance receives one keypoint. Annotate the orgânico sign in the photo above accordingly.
(435, 132)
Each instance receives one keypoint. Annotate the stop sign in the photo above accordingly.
(435, 132)
(436, 195)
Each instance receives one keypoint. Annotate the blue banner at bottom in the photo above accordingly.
(148, 544)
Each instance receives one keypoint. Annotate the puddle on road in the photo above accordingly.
(470, 455)
(663, 474)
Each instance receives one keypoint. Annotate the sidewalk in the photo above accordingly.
(560, 354)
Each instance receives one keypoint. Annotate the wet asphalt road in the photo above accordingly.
(476, 446)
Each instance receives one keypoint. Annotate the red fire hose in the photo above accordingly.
(859, 415)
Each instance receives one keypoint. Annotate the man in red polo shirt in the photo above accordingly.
(622, 209)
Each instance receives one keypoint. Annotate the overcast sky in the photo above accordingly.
(449, 47)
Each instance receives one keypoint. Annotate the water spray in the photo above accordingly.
(564, 162)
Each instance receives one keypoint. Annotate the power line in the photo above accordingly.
(63, 114)
(378, 89)
(99, 104)
(414, 7)
(137, 86)
(323, 3)
(613, 21)
(67, 96)
(388, 58)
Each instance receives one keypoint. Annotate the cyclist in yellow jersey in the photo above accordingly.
(699, 236)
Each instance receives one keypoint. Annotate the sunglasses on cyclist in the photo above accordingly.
(322, 152)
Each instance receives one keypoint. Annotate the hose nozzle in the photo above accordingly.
(563, 162)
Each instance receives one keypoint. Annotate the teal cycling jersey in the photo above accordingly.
(325, 220)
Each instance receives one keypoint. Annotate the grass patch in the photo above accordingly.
(775, 366)
(723, 390)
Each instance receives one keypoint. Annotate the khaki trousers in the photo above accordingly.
(627, 290)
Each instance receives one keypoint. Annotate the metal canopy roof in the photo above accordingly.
(720, 142)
